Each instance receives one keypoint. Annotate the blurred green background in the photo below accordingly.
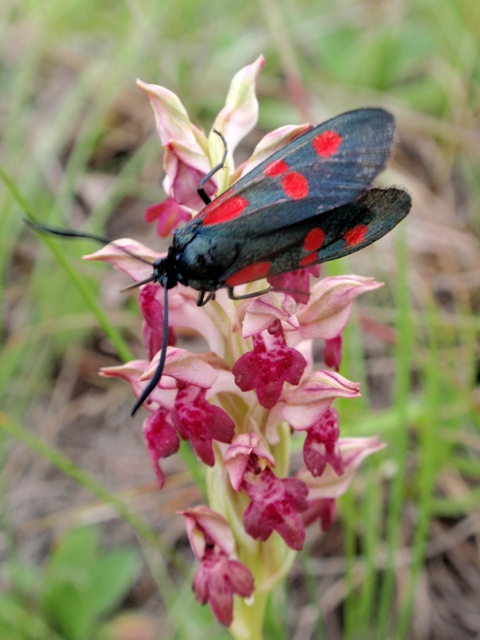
(78, 143)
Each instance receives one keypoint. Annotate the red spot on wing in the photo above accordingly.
(308, 260)
(314, 239)
(224, 209)
(295, 185)
(327, 143)
(276, 168)
(355, 235)
(254, 271)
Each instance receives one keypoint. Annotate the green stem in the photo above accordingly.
(248, 617)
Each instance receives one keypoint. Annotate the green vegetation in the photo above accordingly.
(78, 146)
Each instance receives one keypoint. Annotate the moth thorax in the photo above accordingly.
(164, 271)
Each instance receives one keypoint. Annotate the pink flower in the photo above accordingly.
(263, 344)
(332, 352)
(306, 404)
(324, 489)
(297, 282)
(168, 215)
(152, 312)
(161, 440)
(326, 314)
(220, 575)
(185, 162)
(276, 505)
(331, 485)
(323, 509)
(189, 154)
(200, 422)
(217, 579)
(247, 453)
(320, 447)
(269, 366)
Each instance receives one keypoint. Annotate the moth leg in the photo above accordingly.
(204, 297)
(200, 189)
(245, 296)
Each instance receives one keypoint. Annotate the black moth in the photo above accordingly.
(307, 203)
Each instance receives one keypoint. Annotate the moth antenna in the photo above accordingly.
(200, 189)
(72, 234)
(135, 285)
(161, 363)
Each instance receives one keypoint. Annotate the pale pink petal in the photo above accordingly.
(205, 526)
(184, 168)
(305, 404)
(115, 253)
(225, 382)
(184, 312)
(246, 450)
(240, 113)
(262, 311)
(132, 373)
(184, 366)
(327, 313)
(171, 117)
(331, 485)
(272, 142)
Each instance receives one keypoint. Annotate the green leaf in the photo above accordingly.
(111, 579)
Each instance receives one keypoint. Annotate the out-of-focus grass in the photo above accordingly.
(74, 140)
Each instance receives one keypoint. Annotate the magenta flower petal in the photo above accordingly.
(295, 283)
(219, 576)
(168, 215)
(276, 505)
(332, 353)
(152, 312)
(320, 447)
(200, 422)
(331, 485)
(161, 440)
(269, 366)
(323, 509)
(217, 579)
